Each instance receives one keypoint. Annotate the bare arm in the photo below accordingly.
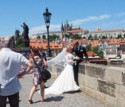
(29, 67)
(44, 61)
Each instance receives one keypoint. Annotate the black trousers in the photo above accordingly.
(13, 100)
(76, 71)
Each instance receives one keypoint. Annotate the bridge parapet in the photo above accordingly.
(104, 83)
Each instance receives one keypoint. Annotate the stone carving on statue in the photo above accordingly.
(25, 35)
(17, 34)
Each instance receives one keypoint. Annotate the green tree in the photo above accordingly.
(38, 37)
(104, 37)
(101, 53)
(19, 39)
(84, 37)
(111, 37)
(19, 43)
(75, 36)
(95, 37)
(88, 48)
(124, 35)
(67, 36)
(90, 37)
(98, 51)
(53, 37)
(44, 37)
(119, 36)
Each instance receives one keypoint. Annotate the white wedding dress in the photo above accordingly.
(65, 81)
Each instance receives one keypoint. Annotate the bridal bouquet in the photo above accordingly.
(76, 58)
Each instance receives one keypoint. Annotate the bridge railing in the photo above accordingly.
(104, 83)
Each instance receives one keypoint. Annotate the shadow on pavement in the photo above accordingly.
(73, 92)
(57, 98)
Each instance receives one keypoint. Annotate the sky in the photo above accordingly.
(88, 14)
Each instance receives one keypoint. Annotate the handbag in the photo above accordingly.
(44, 74)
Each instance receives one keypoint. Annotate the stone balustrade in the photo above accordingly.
(104, 83)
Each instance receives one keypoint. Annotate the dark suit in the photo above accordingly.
(79, 51)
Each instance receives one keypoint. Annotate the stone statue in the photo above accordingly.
(17, 34)
(25, 35)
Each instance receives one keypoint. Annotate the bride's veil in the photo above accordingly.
(59, 61)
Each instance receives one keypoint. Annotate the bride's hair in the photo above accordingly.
(68, 49)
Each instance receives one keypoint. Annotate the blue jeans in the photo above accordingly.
(13, 100)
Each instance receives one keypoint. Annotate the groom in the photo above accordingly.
(78, 51)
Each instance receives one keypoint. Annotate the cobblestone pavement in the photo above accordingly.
(76, 99)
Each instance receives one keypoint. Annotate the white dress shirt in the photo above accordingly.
(10, 64)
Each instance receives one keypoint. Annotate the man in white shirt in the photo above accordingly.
(10, 64)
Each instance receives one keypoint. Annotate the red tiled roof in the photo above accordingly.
(76, 31)
(33, 40)
(44, 45)
(101, 31)
(116, 41)
(94, 43)
(83, 41)
(90, 53)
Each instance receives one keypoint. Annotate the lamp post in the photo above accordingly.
(47, 17)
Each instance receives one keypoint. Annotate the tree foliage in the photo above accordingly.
(98, 51)
(72, 36)
(44, 37)
(124, 35)
(119, 36)
(95, 37)
(90, 37)
(104, 37)
(53, 37)
(19, 43)
(88, 47)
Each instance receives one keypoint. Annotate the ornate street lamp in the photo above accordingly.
(47, 17)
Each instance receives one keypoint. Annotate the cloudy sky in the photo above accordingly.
(88, 14)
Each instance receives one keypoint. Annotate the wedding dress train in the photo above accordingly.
(65, 81)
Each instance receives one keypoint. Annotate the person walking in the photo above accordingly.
(78, 51)
(10, 64)
(40, 62)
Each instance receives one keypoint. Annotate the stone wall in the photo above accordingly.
(104, 83)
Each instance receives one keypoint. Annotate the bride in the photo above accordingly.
(65, 81)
